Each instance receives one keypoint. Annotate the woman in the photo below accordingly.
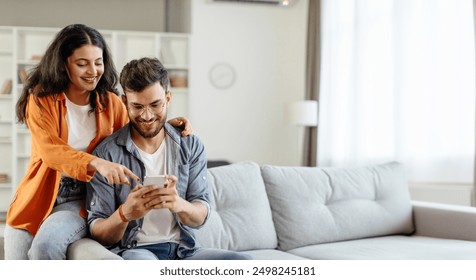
(70, 104)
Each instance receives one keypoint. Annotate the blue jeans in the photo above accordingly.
(168, 251)
(62, 227)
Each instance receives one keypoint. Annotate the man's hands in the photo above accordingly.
(113, 172)
(142, 199)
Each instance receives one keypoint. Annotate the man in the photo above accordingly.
(151, 221)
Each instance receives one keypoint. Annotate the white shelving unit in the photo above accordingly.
(7, 75)
(22, 47)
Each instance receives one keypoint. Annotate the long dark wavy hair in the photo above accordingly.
(50, 76)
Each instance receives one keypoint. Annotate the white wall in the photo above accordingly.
(266, 45)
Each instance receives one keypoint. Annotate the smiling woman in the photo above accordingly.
(85, 68)
(64, 96)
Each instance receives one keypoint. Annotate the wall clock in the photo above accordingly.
(222, 75)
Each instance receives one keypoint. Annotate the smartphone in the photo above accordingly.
(158, 180)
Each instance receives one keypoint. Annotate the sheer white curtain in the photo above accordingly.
(398, 83)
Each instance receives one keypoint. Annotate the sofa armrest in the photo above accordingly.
(89, 249)
(444, 220)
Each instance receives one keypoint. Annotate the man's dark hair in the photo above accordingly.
(141, 73)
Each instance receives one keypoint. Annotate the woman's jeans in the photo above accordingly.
(62, 227)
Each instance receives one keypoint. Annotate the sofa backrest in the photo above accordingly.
(312, 205)
(241, 215)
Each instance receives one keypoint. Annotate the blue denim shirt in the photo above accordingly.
(186, 160)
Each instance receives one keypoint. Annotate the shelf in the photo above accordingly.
(23, 131)
(5, 141)
(23, 156)
(171, 67)
(6, 52)
(27, 62)
(6, 96)
(179, 90)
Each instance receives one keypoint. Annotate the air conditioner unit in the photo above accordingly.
(269, 2)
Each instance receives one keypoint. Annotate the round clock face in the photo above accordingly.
(222, 75)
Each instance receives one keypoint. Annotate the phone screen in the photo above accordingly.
(158, 180)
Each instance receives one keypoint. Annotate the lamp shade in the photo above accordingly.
(302, 113)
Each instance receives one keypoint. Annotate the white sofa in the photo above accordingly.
(279, 212)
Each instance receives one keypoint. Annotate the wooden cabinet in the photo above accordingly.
(20, 50)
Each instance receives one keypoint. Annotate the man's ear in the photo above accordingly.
(124, 98)
(168, 97)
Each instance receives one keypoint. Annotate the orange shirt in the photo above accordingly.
(51, 156)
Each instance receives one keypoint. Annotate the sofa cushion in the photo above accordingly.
(272, 254)
(89, 249)
(393, 247)
(241, 216)
(313, 205)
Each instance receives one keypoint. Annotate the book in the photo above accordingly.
(6, 87)
(3, 177)
(23, 74)
(36, 57)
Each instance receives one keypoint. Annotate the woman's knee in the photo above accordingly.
(42, 249)
(17, 242)
(57, 232)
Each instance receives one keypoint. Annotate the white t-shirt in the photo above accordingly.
(159, 224)
(81, 125)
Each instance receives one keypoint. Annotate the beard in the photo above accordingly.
(136, 124)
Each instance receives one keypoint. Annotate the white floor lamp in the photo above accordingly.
(302, 114)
